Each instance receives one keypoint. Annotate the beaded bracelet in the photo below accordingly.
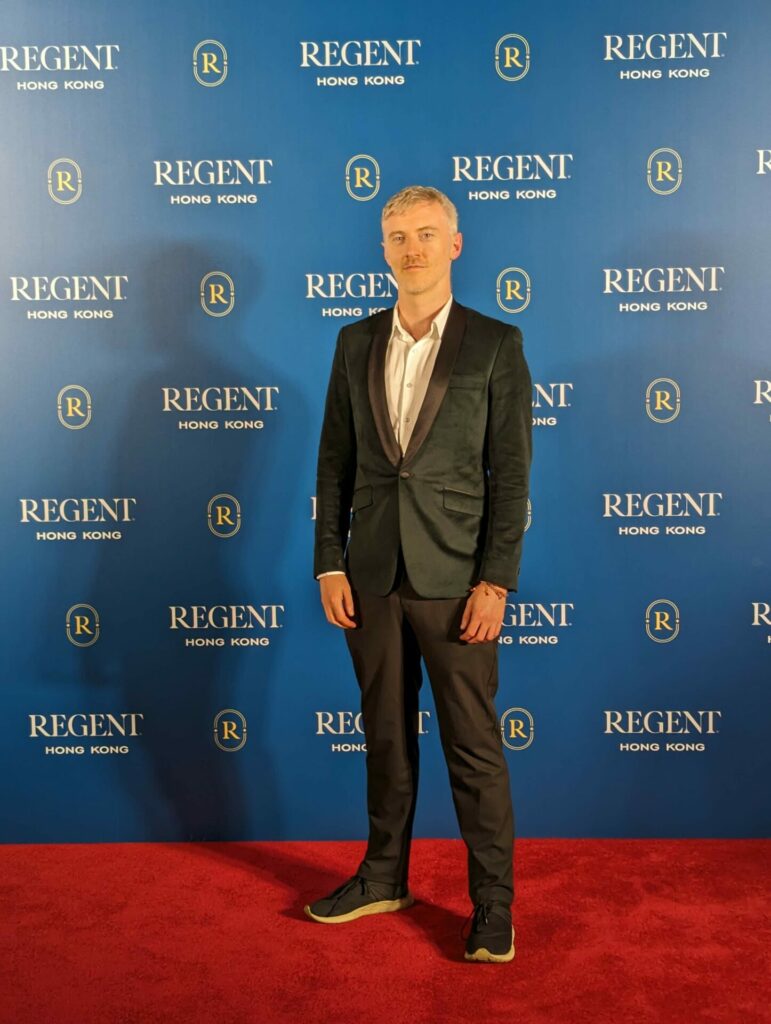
(500, 592)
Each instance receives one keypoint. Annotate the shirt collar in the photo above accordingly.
(437, 324)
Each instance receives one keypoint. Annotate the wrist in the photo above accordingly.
(490, 588)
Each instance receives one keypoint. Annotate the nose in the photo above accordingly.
(414, 248)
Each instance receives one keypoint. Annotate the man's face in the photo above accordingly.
(419, 247)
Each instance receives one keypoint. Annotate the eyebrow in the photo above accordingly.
(425, 227)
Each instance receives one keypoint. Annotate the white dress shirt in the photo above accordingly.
(408, 367)
(409, 364)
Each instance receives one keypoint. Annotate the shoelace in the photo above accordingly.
(477, 915)
(346, 887)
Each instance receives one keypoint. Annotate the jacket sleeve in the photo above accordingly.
(336, 470)
(508, 454)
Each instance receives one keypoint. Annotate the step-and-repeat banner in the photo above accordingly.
(191, 199)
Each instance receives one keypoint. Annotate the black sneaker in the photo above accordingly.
(491, 938)
(356, 898)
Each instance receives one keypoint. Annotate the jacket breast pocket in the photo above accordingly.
(362, 497)
(461, 501)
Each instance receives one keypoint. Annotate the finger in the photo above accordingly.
(329, 611)
(340, 616)
(470, 618)
(330, 614)
(465, 617)
(348, 600)
(483, 635)
(473, 628)
(486, 634)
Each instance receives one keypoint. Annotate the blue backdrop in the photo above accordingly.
(191, 203)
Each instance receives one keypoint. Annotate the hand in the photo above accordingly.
(337, 600)
(483, 615)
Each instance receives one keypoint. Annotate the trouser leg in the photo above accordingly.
(464, 680)
(386, 661)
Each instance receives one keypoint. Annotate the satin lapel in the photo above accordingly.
(377, 391)
(452, 336)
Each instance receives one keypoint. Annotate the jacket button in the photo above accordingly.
(405, 474)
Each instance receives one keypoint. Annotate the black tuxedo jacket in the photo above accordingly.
(457, 500)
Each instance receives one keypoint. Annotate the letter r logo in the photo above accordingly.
(511, 57)
(224, 516)
(517, 728)
(362, 177)
(82, 625)
(64, 181)
(662, 621)
(512, 289)
(663, 400)
(73, 406)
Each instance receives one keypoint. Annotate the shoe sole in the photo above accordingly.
(381, 907)
(485, 956)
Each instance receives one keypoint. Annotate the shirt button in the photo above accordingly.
(409, 384)
(406, 419)
(405, 474)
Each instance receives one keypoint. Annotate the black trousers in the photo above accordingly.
(386, 648)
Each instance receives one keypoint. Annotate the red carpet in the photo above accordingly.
(622, 931)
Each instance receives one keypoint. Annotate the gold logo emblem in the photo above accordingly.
(512, 57)
(73, 407)
(662, 621)
(230, 730)
(362, 177)
(662, 400)
(82, 624)
(218, 293)
(65, 181)
(665, 171)
(210, 63)
(517, 728)
(512, 290)
(224, 515)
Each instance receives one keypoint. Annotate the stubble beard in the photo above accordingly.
(412, 287)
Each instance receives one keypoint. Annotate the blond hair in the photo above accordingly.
(413, 194)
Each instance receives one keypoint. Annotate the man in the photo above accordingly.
(427, 441)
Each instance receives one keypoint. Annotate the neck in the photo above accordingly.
(416, 312)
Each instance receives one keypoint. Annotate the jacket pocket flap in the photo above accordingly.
(362, 497)
(460, 501)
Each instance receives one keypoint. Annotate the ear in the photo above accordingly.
(457, 246)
